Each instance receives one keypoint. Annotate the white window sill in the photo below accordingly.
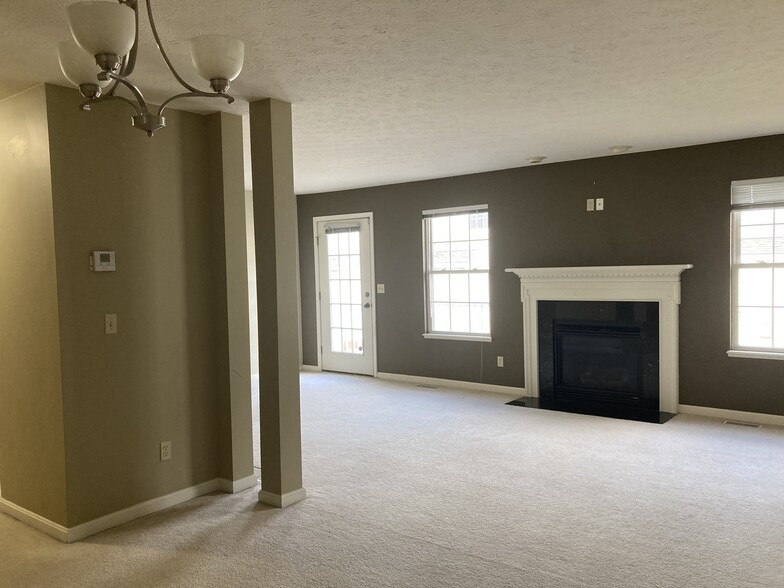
(448, 337)
(756, 354)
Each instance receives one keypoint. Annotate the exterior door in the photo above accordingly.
(345, 295)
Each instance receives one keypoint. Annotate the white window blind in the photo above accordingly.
(762, 192)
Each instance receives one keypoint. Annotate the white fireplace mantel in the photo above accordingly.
(628, 283)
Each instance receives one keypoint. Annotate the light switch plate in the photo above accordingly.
(379, 288)
(589, 205)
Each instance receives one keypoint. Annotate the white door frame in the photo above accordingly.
(344, 217)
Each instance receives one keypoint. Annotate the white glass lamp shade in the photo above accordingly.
(78, 66)
(217, 57)
(103, 27)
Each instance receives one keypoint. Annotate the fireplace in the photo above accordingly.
(600, 357)
(577, 318)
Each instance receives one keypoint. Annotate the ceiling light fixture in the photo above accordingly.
(536, 159)
(106, 35)
(620, 148)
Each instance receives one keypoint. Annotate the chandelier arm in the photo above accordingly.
(116, 84)
(85, 106)
(195, 94)
(183, 83)
(142, 109)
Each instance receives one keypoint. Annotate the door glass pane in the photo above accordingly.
(345, 312)
(356, 316)
(355, 267)
(356, 292)
(334, 267)
(335, 347)
(343, 243)
(346, 340)
(332, 244)
(755, 287)
(353, 243)
(334, 291)
(335, 317)
(345, 291)
(356, 342)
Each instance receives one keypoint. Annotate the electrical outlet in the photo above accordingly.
(600, 204)
(165, 450)
(110, 324)
(499, 360)
(589, 205)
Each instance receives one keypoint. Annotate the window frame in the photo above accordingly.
(738, 205)
(427, 271)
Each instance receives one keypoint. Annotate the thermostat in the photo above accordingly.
(102, 261)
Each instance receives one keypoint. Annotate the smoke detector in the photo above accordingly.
(620, 148)
(536, 159)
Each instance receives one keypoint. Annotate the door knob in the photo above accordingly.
(366, 305)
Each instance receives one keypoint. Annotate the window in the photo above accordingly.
(457, 260)
(758, 267)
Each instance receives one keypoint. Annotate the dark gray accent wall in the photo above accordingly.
(661, 207)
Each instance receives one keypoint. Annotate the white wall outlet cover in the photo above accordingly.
(165, 450)
(600, 204)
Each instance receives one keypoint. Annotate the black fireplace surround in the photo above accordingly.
(600, 358)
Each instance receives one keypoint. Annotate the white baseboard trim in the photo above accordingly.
(309, 368)
(79, 532)
(733, 415)
(34, 520)
(140, 510)
(441, 383)
(234, 486)
(282, 500)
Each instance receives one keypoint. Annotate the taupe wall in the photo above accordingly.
(662, 207)
(32, 449)
(164, 376)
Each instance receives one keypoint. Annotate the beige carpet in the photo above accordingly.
(416, 487)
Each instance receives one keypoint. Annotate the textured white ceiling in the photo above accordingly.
(390, 91)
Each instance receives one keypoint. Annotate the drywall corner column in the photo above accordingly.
(228, 184)
(275, 220)
(32, 437)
